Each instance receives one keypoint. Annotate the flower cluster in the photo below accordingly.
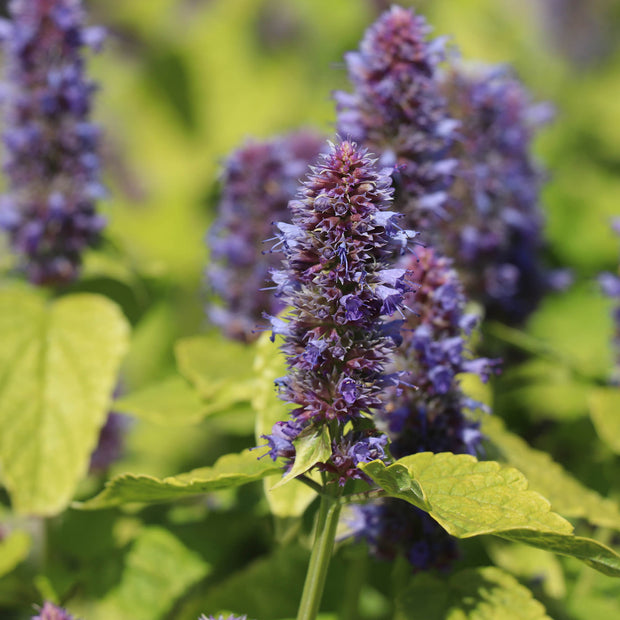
(52, 612)
(258, 182)
(610, 283)
(431, 413)
(51, 162)
(495, 234)
(338, 282)
(398, 111)
(231, 617)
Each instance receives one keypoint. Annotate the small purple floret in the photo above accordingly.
(52, 612)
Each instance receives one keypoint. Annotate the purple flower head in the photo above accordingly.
(397, 111)
(495, 234)
(336, 280)
(220, 617)
(52, 612)
(610, 285)
(50, 145)
(258, 181)
(111, 442)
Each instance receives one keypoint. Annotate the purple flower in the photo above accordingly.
(258, 181)
(110, 445)
(495, 234)
(610, 285)
(336, 279)
(51, 146)
(220, 617)
(397, 111)
(52, 612)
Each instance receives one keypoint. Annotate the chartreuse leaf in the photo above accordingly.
(292, 499)
(312, 446)
(213, 363)
(169, 402)
(58, 367)
(228, 471)
(468, 498)
(158, 570)
(473, 594)
(13, 550)
(605, 414)
(566, 494)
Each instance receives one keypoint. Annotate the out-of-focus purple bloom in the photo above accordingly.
(336, 280)
(397, 111)
(495, 234)
(258, 181)
(52, 612)
(51, 146)
(111, 442)
(610, 284)
(220, 617)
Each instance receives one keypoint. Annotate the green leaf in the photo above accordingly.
(14, 549)
(213, 362)
(605, 414)
(566, 494)
(473, 594)
(158, 570)
(292, 499)
(228, 471)
(58, 368)
(169, 402)
(468, 498)
(397, 481)
(312, 446)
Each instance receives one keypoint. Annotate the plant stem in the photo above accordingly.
(324, 537)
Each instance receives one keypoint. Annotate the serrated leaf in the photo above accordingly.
(158, 570)
(473, 594)
(213, 362)
(468, 498)
(311, 447)
(292, 499)
(58, 367)
(566, 494)
(605, 414)
(13, 550)
(169, 402)
(228, 471)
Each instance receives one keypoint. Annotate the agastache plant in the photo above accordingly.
(258, 181)
(398, 111)
(495, 234)
(338, 283)
(610, 283)
(51, 145)
(431, 413)
(50, 611)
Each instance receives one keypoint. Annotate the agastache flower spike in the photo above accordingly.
(610, 283)
(431, 416)
(51, 146)
(495, 235)
(258, 181)
(398, 112)
(52, 612)
(231, 617)
(338, 282)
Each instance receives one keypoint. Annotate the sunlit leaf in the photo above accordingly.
(13, 550)
(58, 367)
(158, 570)
(566, 494)
(605, 414)
(228, 471)
(469, 497)
(473, 594)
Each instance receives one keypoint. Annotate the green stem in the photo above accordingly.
(324, 537)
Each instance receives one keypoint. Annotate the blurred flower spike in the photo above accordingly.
(52, 612)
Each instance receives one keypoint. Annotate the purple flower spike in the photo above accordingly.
(335, 277)
(51, 146)
(495, 235)
(610, 285)
(258, 181)
(220, 617)
(51, 612)
(398, 111)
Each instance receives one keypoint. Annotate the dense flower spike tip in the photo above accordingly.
(495, 236)
(338, 282)
(52, 612)
(231, 617)
(397, 111)
(51, 147)
(259, 180)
